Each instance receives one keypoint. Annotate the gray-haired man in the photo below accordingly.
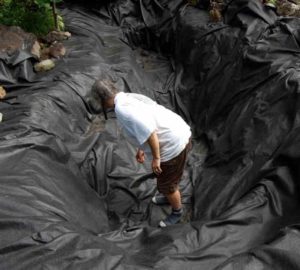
(154, 130)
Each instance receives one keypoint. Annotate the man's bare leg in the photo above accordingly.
(175, 216)
(175, 199)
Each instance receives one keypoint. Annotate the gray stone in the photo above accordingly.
(2, 92)
(297, 2)
(36, 49)
(13, 38)
(287, 8)
(44, 65)
(57, 36)
(56, 50)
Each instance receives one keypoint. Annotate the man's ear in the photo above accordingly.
(104, 110)
(94, 104)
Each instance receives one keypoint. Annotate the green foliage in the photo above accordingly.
(34, 16)
(193, 2)
(60, 23)
(46, 3)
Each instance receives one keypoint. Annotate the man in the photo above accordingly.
(155, 130)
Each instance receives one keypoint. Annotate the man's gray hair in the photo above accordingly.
(102, 90)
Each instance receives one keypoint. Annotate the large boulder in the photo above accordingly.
(288, 8)
(13, 38)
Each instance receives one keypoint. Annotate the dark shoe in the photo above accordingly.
(172, 219)
(160, 199)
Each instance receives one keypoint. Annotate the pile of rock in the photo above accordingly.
(51, 48)
(13, 40)
(288, 8)
(215, 8)
(284, 7)
(45, 50)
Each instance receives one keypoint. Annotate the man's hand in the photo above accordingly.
(154, 145)
(140, 156)
(156, 166)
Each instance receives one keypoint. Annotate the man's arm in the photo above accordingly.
(154, 145)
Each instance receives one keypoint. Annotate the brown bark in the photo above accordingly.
(53, 4)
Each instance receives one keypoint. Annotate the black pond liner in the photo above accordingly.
(72, 195)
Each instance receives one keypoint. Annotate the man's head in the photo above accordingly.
(103, 93)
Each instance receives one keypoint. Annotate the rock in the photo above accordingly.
(45, 54)
(13, 38)
(2, 92)
(36, 49)
(287, 8)
(297, 2)
(215, 15)
(1, 117)
(44, 65)
(56, 50)
(57, 36)
(215, 12)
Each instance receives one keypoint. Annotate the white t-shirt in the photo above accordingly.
(139, 116)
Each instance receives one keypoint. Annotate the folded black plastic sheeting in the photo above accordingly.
(72, 195)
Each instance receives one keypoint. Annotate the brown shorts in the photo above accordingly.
(172, 170)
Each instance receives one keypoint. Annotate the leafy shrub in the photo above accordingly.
(34, 16)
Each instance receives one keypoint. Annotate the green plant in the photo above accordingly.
(51, 4)
(193, 2)
(36, 16)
